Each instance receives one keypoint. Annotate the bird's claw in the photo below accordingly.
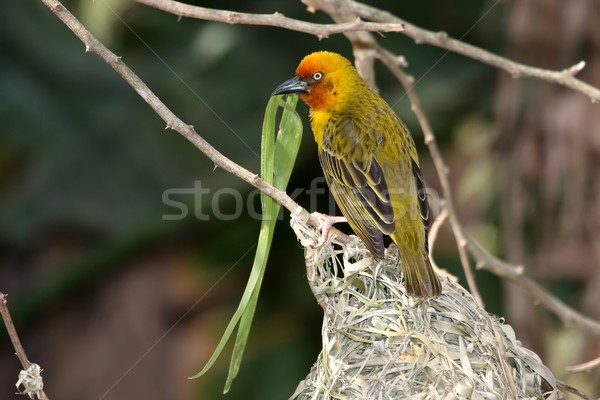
(327, 221)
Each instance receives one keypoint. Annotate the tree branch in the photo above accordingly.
(278, 20)
(390, 62)
(93, 45)
(385, 22)
(568, 388)
(584, 367)
(514, 273)
(441, 39)
(12, 332)
(14, 337)
(501, 268)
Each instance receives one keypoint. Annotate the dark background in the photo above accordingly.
(115, 302)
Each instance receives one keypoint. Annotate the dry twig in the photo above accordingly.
(539, 295)
(14, 337)
(565, 77)
(584, 367)
(568, 388)
(93, 45)
(349, 9)
(390, 61)
(385, 22)
(277, 20)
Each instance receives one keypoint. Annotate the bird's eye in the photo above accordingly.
(317, 76)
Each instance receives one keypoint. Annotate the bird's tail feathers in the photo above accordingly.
(419, 277)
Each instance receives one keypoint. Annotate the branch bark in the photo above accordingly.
(584, 367)
(367, 47)
(14, 337)
(277, 20)
(539, 295)
(384, 22)
(93, 45)
(442, 170)
(565, 77)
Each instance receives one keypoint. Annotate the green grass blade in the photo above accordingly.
(277, 161)
(287, 143)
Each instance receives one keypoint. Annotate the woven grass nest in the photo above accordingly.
(379, 343)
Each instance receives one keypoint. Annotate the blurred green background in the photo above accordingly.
(116, 302)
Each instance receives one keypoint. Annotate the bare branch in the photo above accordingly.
(12, 332)
(501, 268)
(14, 337)
(514, 273)
(390, 61)
(441, 39)
(436, 226)
(277, 20)
(584, 367)
(173, 122)
(568, 388)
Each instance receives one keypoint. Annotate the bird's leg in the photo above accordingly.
(327, 221)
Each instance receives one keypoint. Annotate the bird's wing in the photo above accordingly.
(423, 203)
(358, 185)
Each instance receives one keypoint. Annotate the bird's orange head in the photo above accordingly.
(324, 80)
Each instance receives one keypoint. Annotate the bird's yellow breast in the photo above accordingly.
(318, 121)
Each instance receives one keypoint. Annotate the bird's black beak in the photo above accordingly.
(294, 85)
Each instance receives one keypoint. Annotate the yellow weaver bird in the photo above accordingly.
(370, 163)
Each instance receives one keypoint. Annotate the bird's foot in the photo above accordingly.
(327, 221)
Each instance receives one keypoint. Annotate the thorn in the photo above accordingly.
(401, 61)
(575, 69)
(309, 7)
(215, 167)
